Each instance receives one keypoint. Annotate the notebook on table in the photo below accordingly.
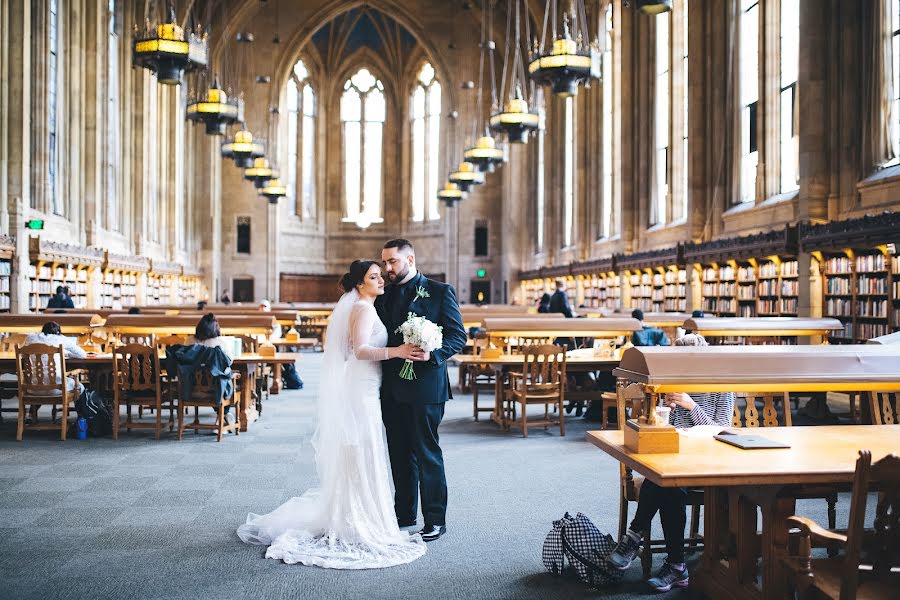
(749, 442)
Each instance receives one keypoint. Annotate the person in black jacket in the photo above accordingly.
(559, 301)
(61, 299)
(544, 303)
(412, 409)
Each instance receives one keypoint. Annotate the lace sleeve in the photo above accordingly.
(362, 320)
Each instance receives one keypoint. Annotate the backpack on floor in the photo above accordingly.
(92, 407)
(580, 542)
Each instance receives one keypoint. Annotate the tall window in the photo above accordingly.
(569, 173)
(301, 144)
(52, 107)
(663, 66)
(363, 114)
(749, 94)
(113, 143)
(607, 221)
(426, 140)
(790, 60)
(893, 64)
(539, 206)
(679, 208)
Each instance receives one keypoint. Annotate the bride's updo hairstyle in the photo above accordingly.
(358, 270)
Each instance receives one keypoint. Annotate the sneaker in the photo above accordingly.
(626, 551)
(669, 575)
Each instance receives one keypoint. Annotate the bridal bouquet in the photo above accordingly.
(420, 332)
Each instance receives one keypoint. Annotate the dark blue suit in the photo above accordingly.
(412, 410)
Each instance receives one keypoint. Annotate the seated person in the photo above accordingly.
(51, 335)
(266, 306)
(688, 410)
(209, 334)
(544, 303)
(201, 306)
(697, 314)
(134, 310)
(648, 336)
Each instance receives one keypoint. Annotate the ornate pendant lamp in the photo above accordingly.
(165, 50)
(260, 173)
(568, 62)
(243, 149)
(450, 194)
(515, 120)
(273, 191)
(217, 110)
(466, 176)
(654, 7)
(484, 154)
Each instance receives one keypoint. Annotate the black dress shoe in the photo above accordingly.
(432, 532)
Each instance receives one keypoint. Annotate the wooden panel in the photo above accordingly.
(309, 288)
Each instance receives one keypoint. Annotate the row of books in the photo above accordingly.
(869, 263)
(837, 285)
(872, 307)
(867, 284)
(838, 307)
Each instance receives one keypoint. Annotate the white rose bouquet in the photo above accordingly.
(420, 332)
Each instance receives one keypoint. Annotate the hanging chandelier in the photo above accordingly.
(260, 173)
(450, 194)
(273, 190)
(515, 120)
(484, 154)
(165, 50)
(242, 149)
(654, 7)
(466, 176)
(568, 62)
(217, 110)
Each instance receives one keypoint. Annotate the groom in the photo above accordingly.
(412, 410)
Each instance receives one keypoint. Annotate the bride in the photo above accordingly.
(349, 521)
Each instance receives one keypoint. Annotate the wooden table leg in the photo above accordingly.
(276, 380)
(248, 411)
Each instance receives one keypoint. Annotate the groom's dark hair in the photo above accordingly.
(401, 245)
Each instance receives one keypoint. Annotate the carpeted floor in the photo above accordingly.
(139, 518)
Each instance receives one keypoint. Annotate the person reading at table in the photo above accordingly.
(688, 410)
(51, 335)
(208, 333)
(647, 336)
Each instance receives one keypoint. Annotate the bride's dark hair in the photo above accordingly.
(358, 270)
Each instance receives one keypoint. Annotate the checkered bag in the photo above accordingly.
(578, 540)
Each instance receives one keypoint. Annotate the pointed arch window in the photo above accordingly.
(426, 141)
(363, 112)
(749, 95)
(569, 173)
(660, 195)
(608, 219)
(790, 63)
(113, 140)
(53, 47)
(301, 146)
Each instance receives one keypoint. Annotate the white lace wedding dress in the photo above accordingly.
(349, 521)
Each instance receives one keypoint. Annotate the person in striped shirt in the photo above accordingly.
(688, 410)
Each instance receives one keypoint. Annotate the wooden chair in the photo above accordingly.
(128, 339)
(770, 418)
(632, 397)
(203, 394)
(261, 380)
(480, 378)
(164, 341)
(9, 382)
(882, 408)
(542, 381)
(41, 371)
(137, 381)
(869, 562)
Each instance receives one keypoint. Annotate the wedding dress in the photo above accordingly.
(349, 521)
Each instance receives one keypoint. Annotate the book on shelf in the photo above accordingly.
(869, 263)
(789, 268)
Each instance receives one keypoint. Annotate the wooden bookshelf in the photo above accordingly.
(190, 286)
(656, 280)
(7, 250)
(162, 282)
(674, 289)
(533, 289)
(120, 280)
(54, 264)
(602, 290)
(860, 273)
(641, 286)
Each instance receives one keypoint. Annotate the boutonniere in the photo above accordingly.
(421, 292)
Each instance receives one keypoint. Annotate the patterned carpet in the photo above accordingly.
(139, 518)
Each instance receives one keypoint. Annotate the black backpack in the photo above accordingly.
(92, 407)
(580, 542)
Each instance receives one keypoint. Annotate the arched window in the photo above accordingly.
(53, 47)
(113, 140)
(363, 113)
(569, 173)
(608, 219)
(749, 95)
(301, 102)
(426, 141)
(790, 63)
(539, 190)
(660, 193)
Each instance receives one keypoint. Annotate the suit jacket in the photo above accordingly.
(559, 303)
(432, 384)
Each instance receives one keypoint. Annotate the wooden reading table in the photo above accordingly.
(737, 482)
(74, 324)
(759, 328)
